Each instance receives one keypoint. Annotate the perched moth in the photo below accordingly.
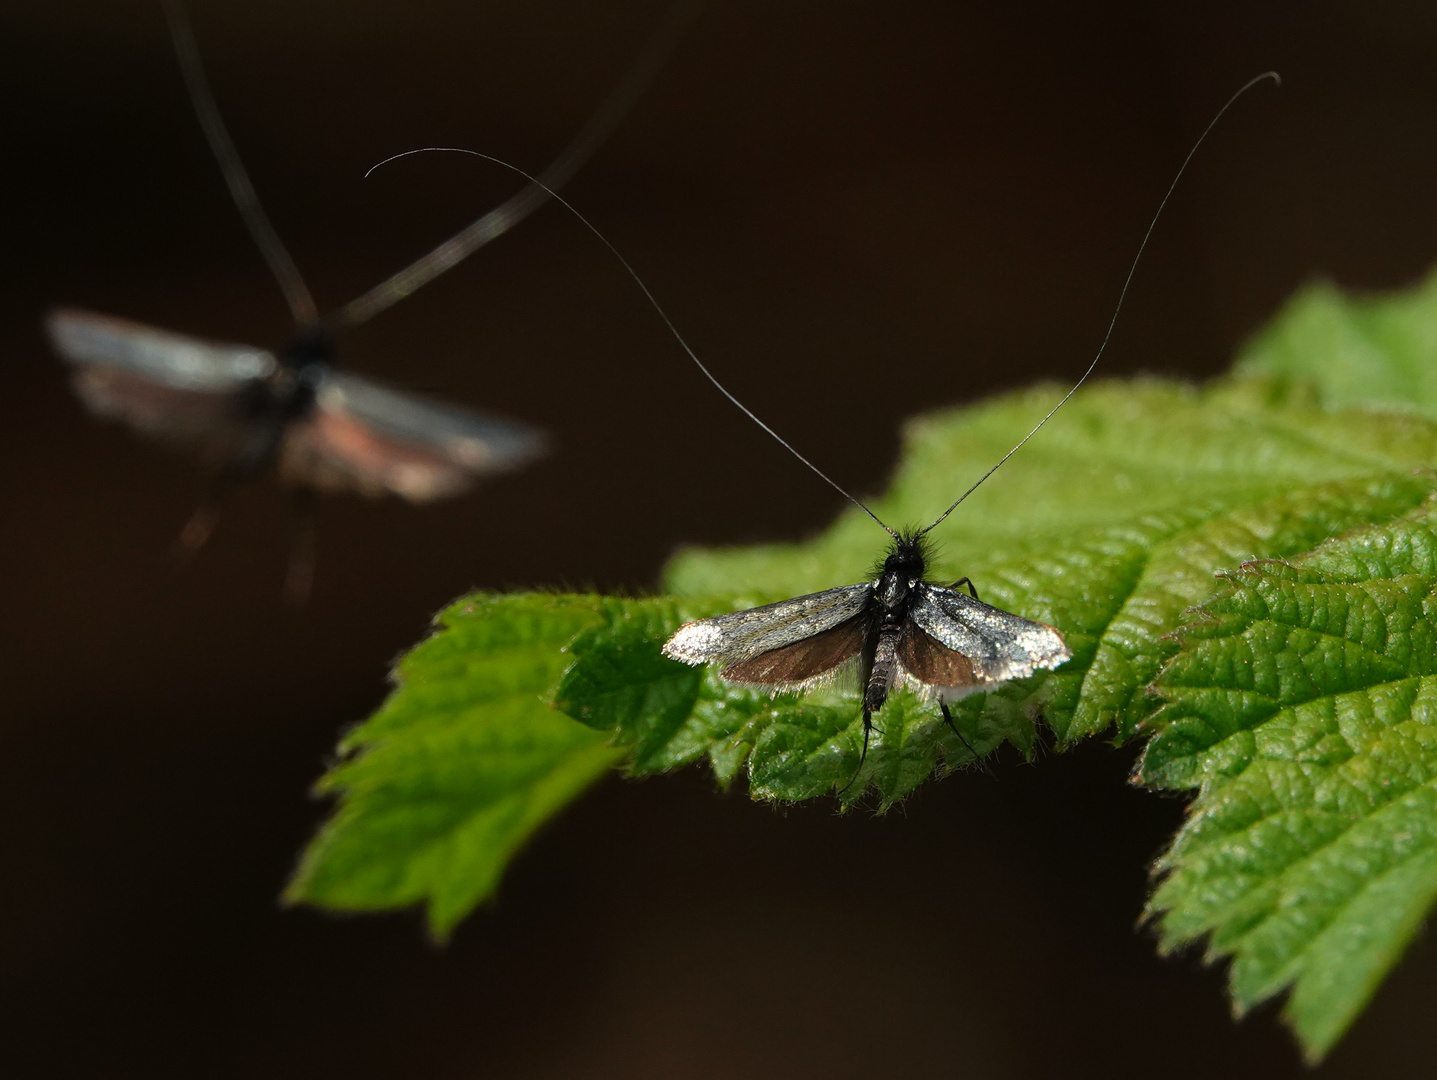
(896, 629)
(247, 408)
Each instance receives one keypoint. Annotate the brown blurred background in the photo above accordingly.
(855, 211)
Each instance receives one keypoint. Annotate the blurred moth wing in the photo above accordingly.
(368, 438)
(162, 384)
(84, 339)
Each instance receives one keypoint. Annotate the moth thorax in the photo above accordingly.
(902, 570)
(313, 346)
(892, 591)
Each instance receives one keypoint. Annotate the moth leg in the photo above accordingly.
(299, 578)
(196, 532)
(201, 524)
(867, 730)
(965, 581)
(948, 719)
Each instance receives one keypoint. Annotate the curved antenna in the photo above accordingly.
(1277, 79)
(560, 171)
(296, 292)
(535, 182)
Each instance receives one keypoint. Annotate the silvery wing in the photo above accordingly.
(788, 644)
(161, 383)
(365, 437)
(996, 644)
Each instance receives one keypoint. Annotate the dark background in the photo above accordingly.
(856, 211)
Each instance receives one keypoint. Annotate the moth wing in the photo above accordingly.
(996, 644)
(160, 383)
(786, 643)
(366, 437)
(183, 363)
(818, 658)
(928, 663)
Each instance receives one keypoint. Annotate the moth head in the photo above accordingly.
(906, 558)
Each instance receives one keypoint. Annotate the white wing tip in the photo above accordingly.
(1057, 651)
(694, 643)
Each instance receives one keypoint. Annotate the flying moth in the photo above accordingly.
(246, 409)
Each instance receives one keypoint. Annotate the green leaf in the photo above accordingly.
(1110, 529)
(623, 683)
(1355, 350)
(467, 758)
(1299, 697)
(1303, 704)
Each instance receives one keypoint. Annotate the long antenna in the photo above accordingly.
(296, 292)
(562, 169)
(1277, 79)
(535, 182)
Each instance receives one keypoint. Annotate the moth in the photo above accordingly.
(246, 409)
(897, 629)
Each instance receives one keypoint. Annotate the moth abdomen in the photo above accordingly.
(885, 667)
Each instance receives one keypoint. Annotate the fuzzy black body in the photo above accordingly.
(887, 616)
(897, 629)
(270, 405)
